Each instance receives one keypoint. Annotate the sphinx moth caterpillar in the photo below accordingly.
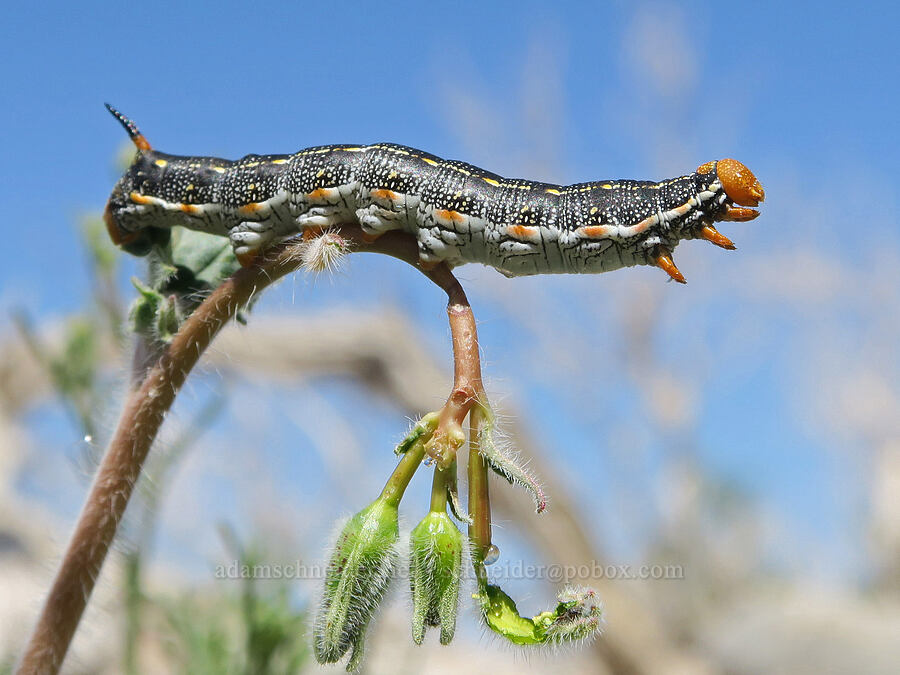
(458, 213)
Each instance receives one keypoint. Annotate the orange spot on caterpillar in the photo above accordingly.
(383, 193)
(644, 224)
(681, 210)
(521, 231)
(118, 235)
(451, 216)
(140, 199)
(595, 231)
(252, 207)
(189, 208)
(321, 193)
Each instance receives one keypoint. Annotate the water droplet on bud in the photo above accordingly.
(492, 555)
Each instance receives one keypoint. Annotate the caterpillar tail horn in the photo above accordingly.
(134, 133)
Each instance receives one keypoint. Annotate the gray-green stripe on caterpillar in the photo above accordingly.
(457, 212)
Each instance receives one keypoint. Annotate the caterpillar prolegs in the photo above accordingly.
(457, 212)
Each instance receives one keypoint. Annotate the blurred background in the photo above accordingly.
(742, 431)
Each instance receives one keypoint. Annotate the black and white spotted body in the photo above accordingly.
(457, 212)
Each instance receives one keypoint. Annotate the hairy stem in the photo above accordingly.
(149, 402)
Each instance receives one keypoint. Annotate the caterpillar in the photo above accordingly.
(457, 212)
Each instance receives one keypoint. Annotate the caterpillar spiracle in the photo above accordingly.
(457, 212)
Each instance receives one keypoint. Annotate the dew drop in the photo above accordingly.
(88, 439)
(492, 555)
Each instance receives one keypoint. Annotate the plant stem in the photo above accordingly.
(439, 486)
(146, 407)
(479, 497)
(396, 484)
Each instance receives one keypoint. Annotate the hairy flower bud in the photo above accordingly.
(357, 577)
(435, 563)
(577, 617)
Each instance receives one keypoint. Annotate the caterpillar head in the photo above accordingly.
(137, 239)
(740, 185)
(719, 185)
(136, 242)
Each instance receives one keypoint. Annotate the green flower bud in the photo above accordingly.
(435, 564)
(357, 577)
(577, 617)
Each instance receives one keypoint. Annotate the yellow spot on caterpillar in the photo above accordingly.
(190, 187)
(429, 161)
(606, 186)
(382, 193)
(491, 181)
(521, 231)
(160, 162)
(250, 165)
(452, 216)
(140, 199)
(252, 186)
(353, 149)
(594, 210)
(219, 169)
(552, 191)
(279, 161)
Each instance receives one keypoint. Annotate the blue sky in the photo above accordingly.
(804, 93)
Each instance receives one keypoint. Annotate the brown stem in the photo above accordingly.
(467, 383)
(143, 414)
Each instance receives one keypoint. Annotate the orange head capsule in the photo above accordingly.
(739, 183)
